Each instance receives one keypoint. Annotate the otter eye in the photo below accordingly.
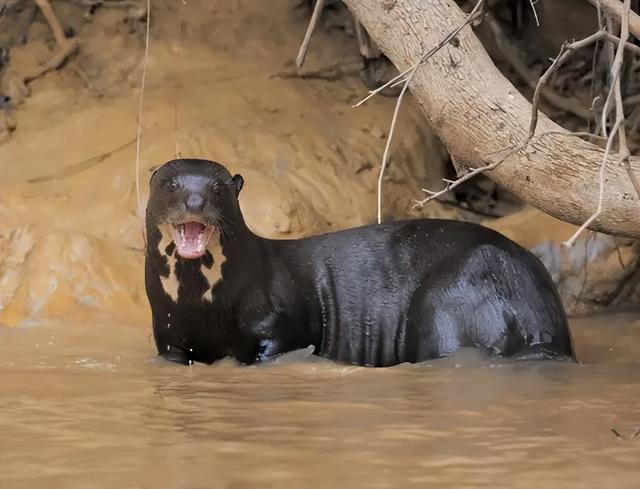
(216, 190)
(172, 186)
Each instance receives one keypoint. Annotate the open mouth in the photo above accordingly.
(191, 238)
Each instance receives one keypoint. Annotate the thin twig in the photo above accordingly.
(139, 129)
(385, 155)
(594, 65)
(401, 78)
(566, 51)
(616, 68)
(175, 119)
(514, 57)
(315, 16)
(623, 148)
(609, 55)
(571, 241)
(618, 128)
(627, 45)
(451, 184)
(635, 434)
(407, 76)
(615, 8)
(535, 14)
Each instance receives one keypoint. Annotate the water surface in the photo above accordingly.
(88, 406)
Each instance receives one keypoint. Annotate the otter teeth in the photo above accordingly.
(191, 239)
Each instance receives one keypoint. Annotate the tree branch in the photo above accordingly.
(405, 78)
(515, 59)
(616, 9)
(477, 113)
(566, 51)
(618, 127)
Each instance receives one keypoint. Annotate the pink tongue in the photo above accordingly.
(192, 230)
(191, 242)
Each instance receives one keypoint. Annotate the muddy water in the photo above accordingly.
(88, 406)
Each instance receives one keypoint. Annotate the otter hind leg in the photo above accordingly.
(432, 328)
(442, 321)
(499, 300)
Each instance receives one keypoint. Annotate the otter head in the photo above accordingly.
(194, 200)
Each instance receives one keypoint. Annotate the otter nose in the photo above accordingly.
(194, 202)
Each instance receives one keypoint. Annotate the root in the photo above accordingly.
(66, 47)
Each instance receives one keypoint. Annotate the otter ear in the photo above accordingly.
(153, 174)
(237, 181)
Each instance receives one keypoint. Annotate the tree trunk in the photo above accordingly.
(479, 115)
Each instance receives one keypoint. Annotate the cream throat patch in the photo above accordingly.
(210, 267)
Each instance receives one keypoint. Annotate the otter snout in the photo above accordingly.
(195, 202)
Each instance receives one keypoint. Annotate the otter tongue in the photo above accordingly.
(191, 242)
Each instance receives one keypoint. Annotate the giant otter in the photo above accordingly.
(376, 295)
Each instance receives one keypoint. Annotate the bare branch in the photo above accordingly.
(618, 127)
(557, 176)
(623, 149)
(451, 184)
(615, 39)
(571, 241)
(566, 51)
(535, 14)
(408, 73)
(511, 53)
(615, 8)
(407, 76)
(385, 155)
(139, 128)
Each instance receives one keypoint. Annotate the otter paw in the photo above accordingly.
(267, 350)
(176, 355)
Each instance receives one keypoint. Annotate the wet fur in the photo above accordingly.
(376, 295)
